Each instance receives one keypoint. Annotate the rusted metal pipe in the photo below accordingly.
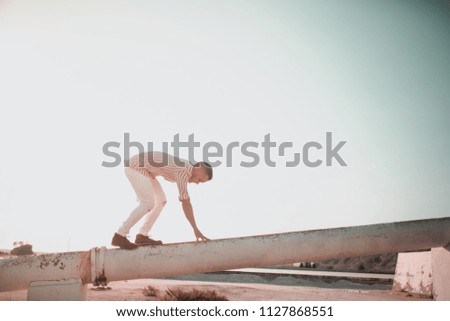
(224, 254)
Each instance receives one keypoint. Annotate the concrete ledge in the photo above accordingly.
(62, 290)
(425, 273)
(413, 273)
(440, 264)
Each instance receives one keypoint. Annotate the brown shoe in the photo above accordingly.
(122, 242)
(142, 240)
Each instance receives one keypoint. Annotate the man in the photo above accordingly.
(142, 171)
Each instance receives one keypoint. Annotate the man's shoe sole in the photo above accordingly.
(148, 244)
(125, 247)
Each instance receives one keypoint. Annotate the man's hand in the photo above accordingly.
(199, 235)
(187, 208)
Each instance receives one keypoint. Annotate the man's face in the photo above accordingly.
(199, 177)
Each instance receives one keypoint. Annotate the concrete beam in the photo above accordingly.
(275, 249)
(224, 254)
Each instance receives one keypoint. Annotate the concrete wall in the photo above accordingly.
(413, 273)
(425, 273)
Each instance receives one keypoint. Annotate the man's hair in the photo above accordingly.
(206, 167)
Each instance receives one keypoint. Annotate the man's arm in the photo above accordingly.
(189, 212)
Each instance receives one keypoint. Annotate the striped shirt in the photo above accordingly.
(171, 168)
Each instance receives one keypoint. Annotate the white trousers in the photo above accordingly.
(151, 200)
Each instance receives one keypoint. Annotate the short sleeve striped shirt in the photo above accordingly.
(171, 168)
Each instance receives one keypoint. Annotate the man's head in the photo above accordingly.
(202, 172)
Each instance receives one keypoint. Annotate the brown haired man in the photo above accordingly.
(142, 171)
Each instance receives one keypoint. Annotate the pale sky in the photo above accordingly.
(77, 74)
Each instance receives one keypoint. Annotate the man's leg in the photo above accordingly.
(159, 202)
(143, 187)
